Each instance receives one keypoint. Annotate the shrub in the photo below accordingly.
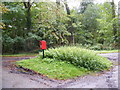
(18, 44)
(96, 47)
(7, 43)
(79, 57)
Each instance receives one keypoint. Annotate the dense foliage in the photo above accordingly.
(92, 25)
(79, 57)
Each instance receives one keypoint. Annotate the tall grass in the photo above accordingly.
(79, 57)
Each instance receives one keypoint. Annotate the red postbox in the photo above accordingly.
(43, 45)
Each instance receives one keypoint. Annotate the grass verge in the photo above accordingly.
(53, 68)
(66, 63)
(19, 55)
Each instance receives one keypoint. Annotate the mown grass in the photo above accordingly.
(53, 68)
(66, 62)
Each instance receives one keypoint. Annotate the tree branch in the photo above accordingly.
(31, 4)
(67, 8)
(25, 4)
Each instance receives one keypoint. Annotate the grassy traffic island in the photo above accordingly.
(66, 63)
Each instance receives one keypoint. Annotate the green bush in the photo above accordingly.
(79, 57)
(7, 44)
(18, 44)
(96, 47)
(102, 47)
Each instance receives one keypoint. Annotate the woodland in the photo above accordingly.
(91, 25)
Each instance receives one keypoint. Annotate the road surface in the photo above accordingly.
(12, 77)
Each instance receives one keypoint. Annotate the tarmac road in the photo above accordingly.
(12, 78)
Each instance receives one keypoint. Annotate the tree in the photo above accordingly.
(114, 16)
(28, 6)
(3, 10)
(14, 20)
(13, 32)
(90, 24)
(84, 4)
(50, 21)
(107, 23)
(70, 21)
(28, 22)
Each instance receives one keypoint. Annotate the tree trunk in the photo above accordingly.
(28, 23)
(58, 8)
(70, 28)
(67, 8)
(28, 15)
(113, 16)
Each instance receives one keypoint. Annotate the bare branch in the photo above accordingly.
(25, 4)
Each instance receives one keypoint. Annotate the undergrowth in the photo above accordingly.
(79, 57)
